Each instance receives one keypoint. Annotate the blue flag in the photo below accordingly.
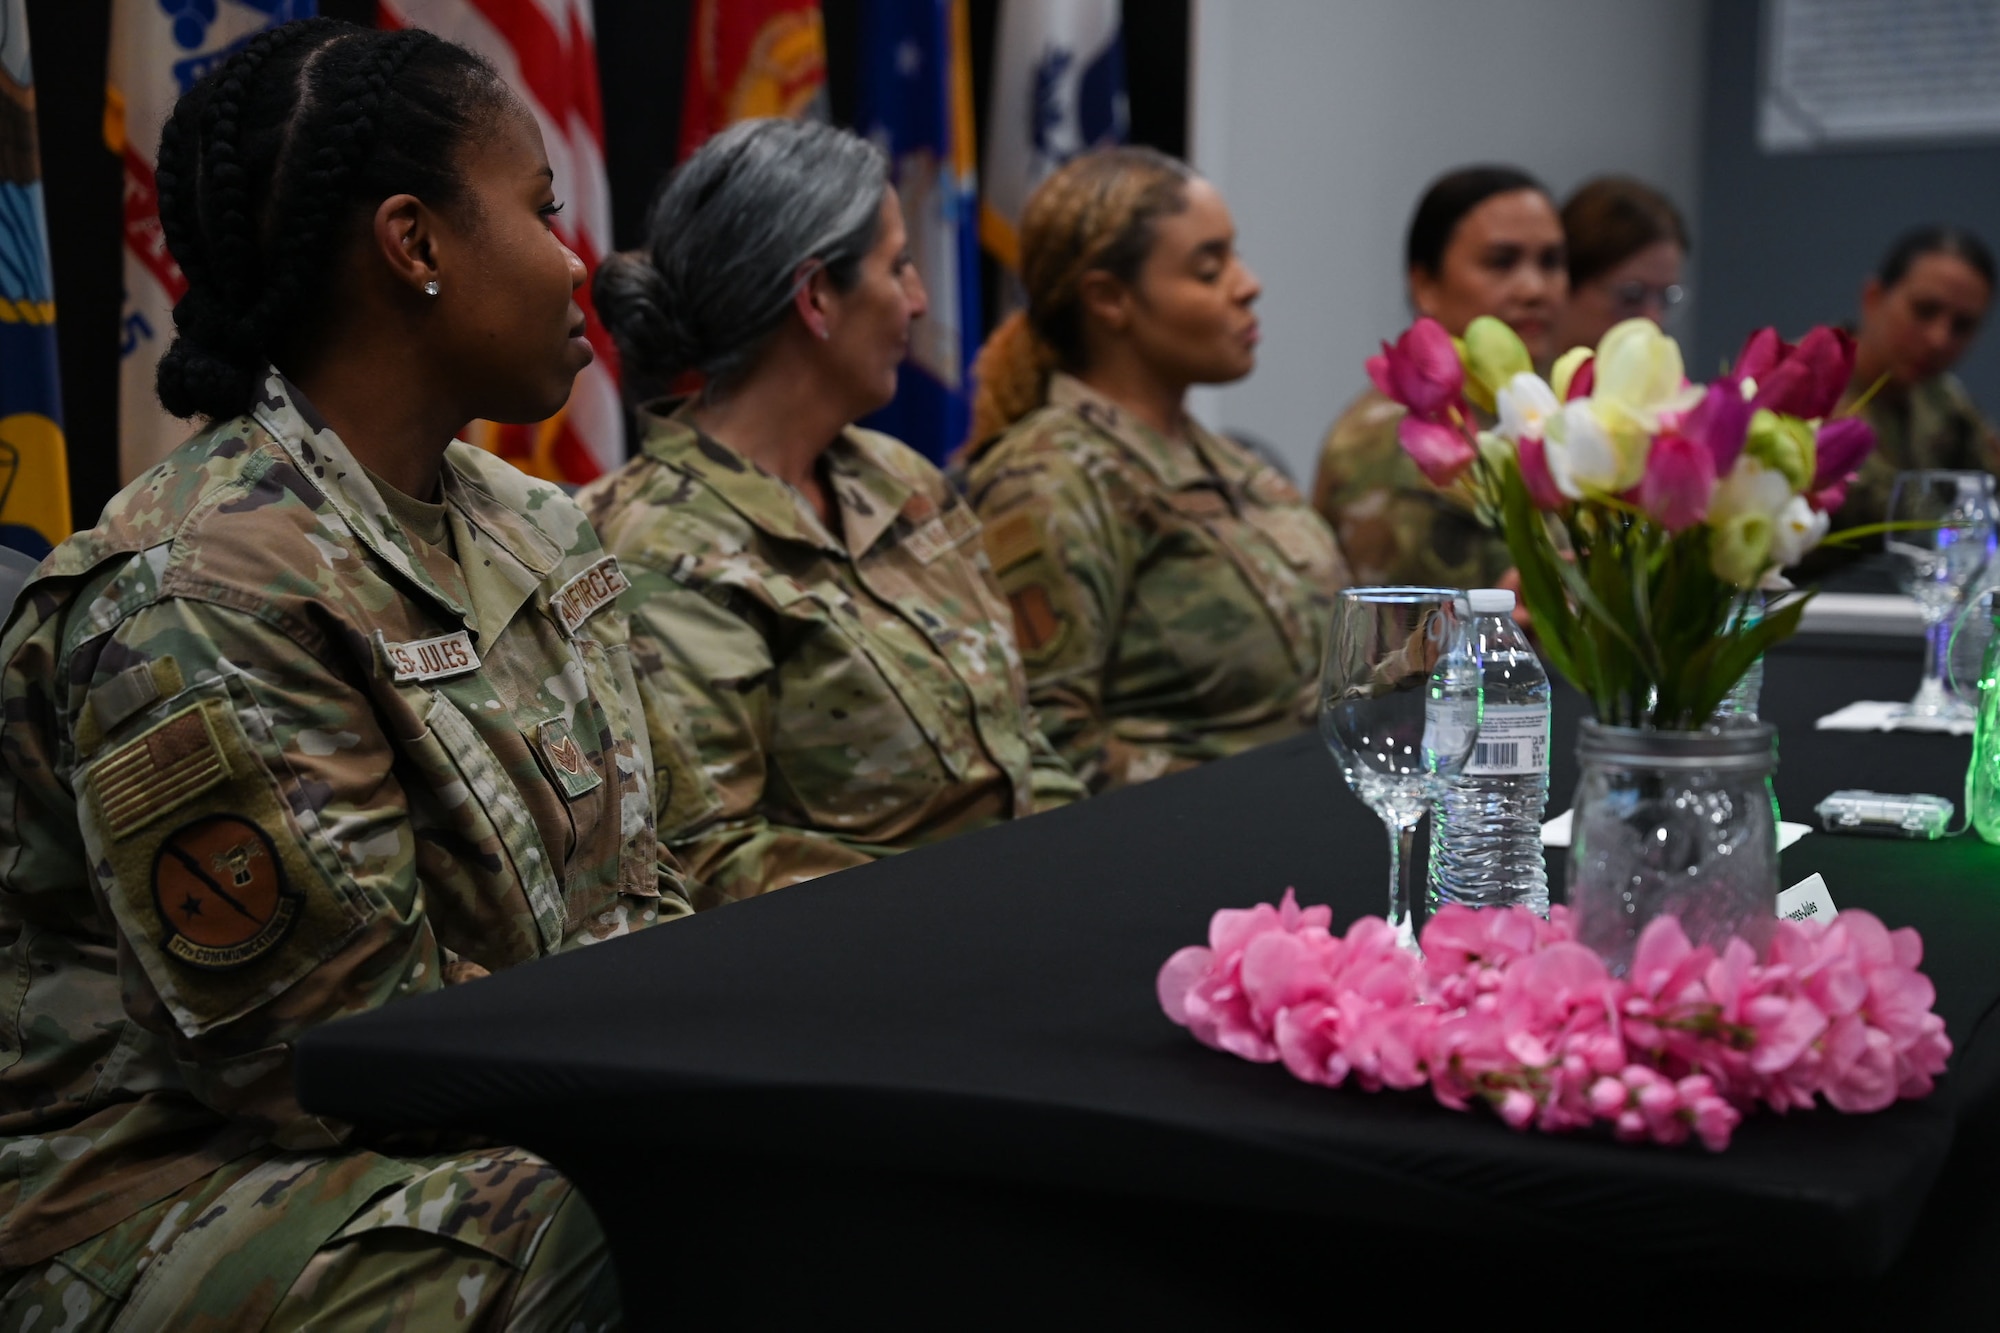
(34, 466)
(916, 102)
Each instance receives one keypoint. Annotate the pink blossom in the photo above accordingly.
(1421, 370)
(1440, 452)
(1507, 1009)
(1306, 1041)
(1517, 1108)
(1679, 478)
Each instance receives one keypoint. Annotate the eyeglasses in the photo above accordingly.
(1637, 298)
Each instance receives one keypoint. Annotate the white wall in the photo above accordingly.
(1322, 120)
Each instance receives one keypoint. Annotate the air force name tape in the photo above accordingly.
(588, 593)
(432, 659)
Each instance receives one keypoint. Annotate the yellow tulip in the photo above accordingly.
(1639, 373)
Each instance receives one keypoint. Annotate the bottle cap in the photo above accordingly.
(1491, 601)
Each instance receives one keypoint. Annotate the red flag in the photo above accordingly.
(751, 58)
(546, 50)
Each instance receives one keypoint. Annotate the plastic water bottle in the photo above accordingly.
(1982, 784)
(1486, 829)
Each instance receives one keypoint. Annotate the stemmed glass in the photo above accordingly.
(1938, 563)
(1400, 713)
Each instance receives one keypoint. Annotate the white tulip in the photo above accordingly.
(1580, 452)
(1525, 404)
(1798, 529)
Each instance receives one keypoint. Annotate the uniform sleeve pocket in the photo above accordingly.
(223, 897)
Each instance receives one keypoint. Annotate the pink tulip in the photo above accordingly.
(1809, 382)
(1583, 381)
(1841, 446)
(1828, 499)
(1762, 351)
(1440, 452)
(1421, 371)
(1535, 475)
(1721, 421)
(1680, 477)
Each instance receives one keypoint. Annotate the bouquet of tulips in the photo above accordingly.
(1642, 511)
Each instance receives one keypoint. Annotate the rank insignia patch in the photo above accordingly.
(221, 893)
(567, 763)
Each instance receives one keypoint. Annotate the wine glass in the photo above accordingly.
(1937, 564)
(1400, 711)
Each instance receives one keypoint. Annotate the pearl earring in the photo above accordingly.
(431, 288)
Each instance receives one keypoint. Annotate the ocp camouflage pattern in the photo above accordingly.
(238, 798)
(1935, 424)
(844, 696)
(1394, 525)
(1171, 596)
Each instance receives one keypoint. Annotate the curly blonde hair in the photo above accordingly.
(1094, 214)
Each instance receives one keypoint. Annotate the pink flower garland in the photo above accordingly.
(1509, 1009)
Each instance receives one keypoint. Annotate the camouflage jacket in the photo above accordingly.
(847, 697)
(1394, 525)
(1933, 425)
(268, 761)
(1171, 596)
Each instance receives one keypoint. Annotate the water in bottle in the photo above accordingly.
(1982, 784)
(1486, 829)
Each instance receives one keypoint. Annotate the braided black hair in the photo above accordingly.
(265, 169)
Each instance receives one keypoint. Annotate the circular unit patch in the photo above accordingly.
(221, 893)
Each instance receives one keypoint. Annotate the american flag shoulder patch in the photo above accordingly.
(159, 771)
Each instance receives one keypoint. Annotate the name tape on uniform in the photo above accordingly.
(588, 593)
(932, 540)
(432, 659)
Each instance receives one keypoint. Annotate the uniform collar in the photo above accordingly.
(868, 493)
(324, 457)
(1199, 460)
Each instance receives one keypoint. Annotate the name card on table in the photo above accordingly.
(1808, 900)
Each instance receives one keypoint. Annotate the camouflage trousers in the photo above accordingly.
(354, 1241)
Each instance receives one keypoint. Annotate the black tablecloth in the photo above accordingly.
(939, 1089)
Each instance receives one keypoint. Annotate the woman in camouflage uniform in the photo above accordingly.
(809, 600)
(325, 711)
(1171, 590)
(1483, 241)
(1920, 311)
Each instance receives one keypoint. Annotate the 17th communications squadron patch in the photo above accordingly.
(221, 893)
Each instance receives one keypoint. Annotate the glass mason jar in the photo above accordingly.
(1679, 823)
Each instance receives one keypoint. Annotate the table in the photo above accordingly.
(938, 1091)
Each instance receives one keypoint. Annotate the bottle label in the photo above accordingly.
(1513, 738)
(1448, 727)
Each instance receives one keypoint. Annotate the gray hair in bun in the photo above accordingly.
(728, 239)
